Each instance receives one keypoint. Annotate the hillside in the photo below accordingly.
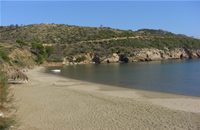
(69, 41)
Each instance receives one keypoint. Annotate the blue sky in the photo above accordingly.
(180, 17)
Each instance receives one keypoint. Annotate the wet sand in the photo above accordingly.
(52, 102)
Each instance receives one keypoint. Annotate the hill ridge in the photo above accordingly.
(68, 40)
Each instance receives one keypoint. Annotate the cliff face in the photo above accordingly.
(155, 54)
(146, 54)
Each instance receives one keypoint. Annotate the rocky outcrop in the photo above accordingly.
(114, 58)
(71, 60)
(192, 53)
(156, 54)
(145, 54)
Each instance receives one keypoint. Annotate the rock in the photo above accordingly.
(1, 114)
(198, 53)
(177, 54)
(191, 53)
(153, 55)
(137, 58)
(145, 54)
(113, 59)
(71, 63)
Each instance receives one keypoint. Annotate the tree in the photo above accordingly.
(33, 45)
(21, 43)
(12, 26)
(49, 50)
(39, 48)
(40, 59)
(16, 25)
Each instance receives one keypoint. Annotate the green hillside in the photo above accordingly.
(69, 40)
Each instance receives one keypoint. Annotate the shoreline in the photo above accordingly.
(140, 91)
(49, 64)
(184, 93)
(54, 102)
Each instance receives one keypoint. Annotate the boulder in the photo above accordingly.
(137, 58)
(114, 58)
(154, 55)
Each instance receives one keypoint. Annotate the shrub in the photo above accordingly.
(21, 43)
(120, 50)
(113, 50)
(55, 60)
(49, 50)
(79, 59)
(2, 53)
(5, 102)
(70, 59)
(4, 56)
(40, 59)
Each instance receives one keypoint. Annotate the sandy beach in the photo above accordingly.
(53, 102)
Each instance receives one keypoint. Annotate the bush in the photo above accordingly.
(21, 43)
(5, 102)
(4, 56)
(40, 59)
(113, 50)
(120, 50)
(70, 59)
(55, 60)
(49, 50)
(2, 53)
(79, 59)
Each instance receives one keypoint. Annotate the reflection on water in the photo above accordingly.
(174, 76)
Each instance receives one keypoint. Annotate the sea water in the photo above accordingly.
(171, 76)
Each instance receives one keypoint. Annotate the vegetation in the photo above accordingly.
(21, 43)
(55, 41)
(60, 33)
(52, 42)
(79, 59)
(49, 50)
(40, 59)
(38, 48)
(40, 51)
(5, 103)
(4, 56)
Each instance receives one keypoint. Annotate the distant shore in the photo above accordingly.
(53, 102)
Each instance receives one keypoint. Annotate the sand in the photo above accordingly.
(53, 102)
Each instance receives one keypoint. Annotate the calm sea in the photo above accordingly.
(172, 76)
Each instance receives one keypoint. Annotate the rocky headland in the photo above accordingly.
(145, 54)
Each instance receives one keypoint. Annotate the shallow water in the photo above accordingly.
(172, 76)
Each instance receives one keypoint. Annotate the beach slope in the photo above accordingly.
(53, 102)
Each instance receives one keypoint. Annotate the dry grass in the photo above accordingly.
(6, 99)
